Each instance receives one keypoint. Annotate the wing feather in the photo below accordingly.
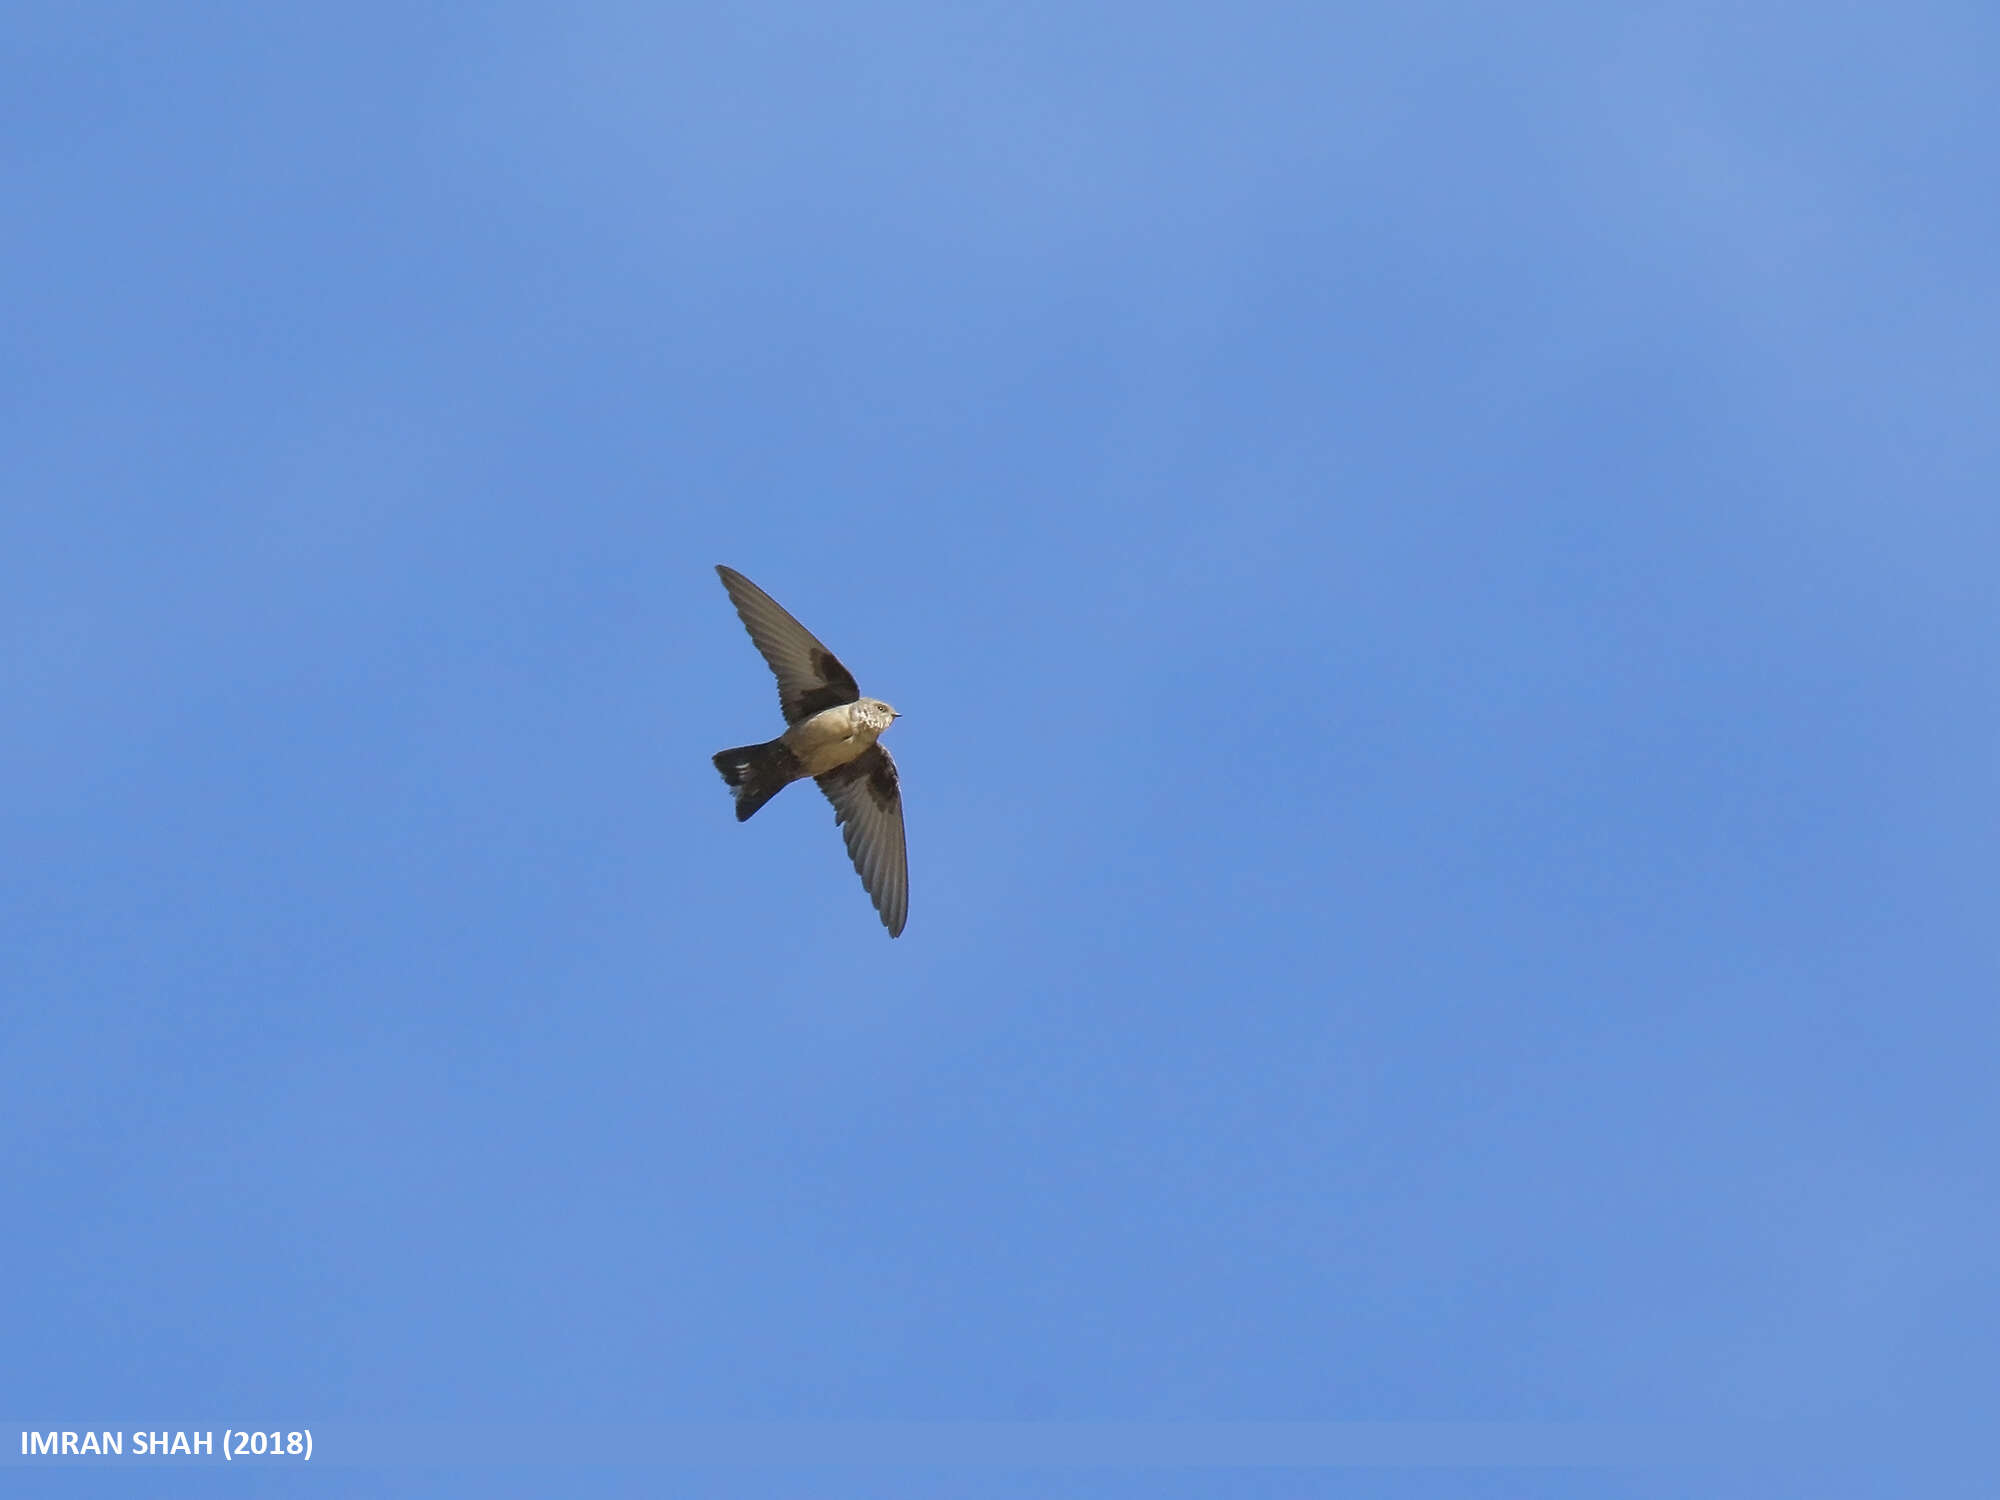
(810, 677)
(868, 805)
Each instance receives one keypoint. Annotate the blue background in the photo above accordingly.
(1439, 561)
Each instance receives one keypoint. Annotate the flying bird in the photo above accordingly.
(832, 735)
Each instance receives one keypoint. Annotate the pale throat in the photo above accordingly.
(835, 736)
(872, 715)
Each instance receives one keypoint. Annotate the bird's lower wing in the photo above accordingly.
(868, 804)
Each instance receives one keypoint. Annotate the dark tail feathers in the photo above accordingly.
(758, 772)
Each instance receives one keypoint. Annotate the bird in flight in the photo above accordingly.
(832, 735)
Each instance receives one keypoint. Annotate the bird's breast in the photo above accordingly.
(830, 739)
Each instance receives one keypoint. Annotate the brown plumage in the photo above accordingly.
(831, 735)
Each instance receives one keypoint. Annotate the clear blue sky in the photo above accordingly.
(1439, 561)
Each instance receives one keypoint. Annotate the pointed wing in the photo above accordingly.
(810, 677)
(868, 806)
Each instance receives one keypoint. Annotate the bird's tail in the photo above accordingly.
(758, 773)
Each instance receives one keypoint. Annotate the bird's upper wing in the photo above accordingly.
(810, 677)
(868, 805)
